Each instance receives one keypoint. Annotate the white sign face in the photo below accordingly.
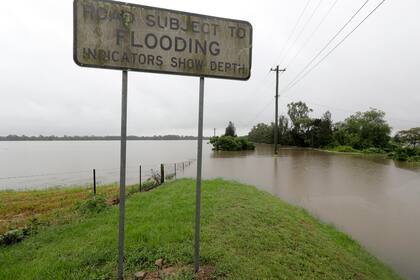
(117, 35)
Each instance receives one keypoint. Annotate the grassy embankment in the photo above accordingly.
(246, 234)
(48, 206)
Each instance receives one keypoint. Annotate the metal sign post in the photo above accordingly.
(198, 179)
(118, 35)
(121, 225)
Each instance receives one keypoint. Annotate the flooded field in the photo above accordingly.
(375, 200)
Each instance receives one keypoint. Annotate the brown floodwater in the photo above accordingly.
(375, 200)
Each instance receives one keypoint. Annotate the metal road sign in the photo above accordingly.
(116, 35)
(123, 36)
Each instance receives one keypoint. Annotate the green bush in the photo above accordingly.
(344, 149)
(18, 234)
(406, 154)
(132, 190)
(414, 159)
(12, 236)
(373, 150)
(149, 184)
(231, 143)
(94, 204)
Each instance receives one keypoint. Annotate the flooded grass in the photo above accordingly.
(22, 208)
(246, 234)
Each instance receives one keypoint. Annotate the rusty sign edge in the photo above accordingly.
(153, 71)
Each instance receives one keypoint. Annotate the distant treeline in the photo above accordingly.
(366, 132)
(93, 138)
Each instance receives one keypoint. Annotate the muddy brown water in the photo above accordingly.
(374, 200)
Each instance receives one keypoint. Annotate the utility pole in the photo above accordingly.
(214, 134)
(276, 126)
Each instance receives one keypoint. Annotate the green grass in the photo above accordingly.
(344, 149)
(246, 234)
(20, 209)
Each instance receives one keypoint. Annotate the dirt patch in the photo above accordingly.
(205, 273)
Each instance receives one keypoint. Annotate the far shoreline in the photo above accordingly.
(100, 138)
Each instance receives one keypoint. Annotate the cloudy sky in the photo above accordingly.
(44, 92)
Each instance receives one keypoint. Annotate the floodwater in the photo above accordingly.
(375, 200)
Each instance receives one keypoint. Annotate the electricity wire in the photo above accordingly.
(327, 45)
(312, 35)
(293, 31)
(301, 31)
(333, 49)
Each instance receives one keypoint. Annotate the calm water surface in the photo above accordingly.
(374, 200)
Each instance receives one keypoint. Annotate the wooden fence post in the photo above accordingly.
(140, 178)
(94, 182)
(162, 173)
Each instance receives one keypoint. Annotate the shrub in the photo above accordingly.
(406, 154)
(92, 205)
(18, 234)
(414, 159)
(245, 144)
(149, 184)
(230, 143)
(12, 236)
(344, 149)
(373, 150)
(132, 190)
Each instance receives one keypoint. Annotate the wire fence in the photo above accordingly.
(87, 178)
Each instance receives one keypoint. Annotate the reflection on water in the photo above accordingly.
(371, 198)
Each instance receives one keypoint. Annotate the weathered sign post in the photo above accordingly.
(128, 37)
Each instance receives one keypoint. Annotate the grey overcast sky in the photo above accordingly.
(42, 91)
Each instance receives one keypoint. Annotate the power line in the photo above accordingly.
(264, 107)
(293, 83)
(313, 33)
(293, 31)
(326, 45)
(335, 47)
(262, 81)
(301, 31)
(261, 111)
(257, 87)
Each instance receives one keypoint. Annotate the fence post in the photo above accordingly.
(162, 173)
(140, 178)
(175, 169)
(94, 182)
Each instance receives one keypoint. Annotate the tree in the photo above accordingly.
(230, 130)
(261, 133)
(364, 130)
(320, 132)
(299, 115)
(284, 131)
(325, 130)
(410, 137)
